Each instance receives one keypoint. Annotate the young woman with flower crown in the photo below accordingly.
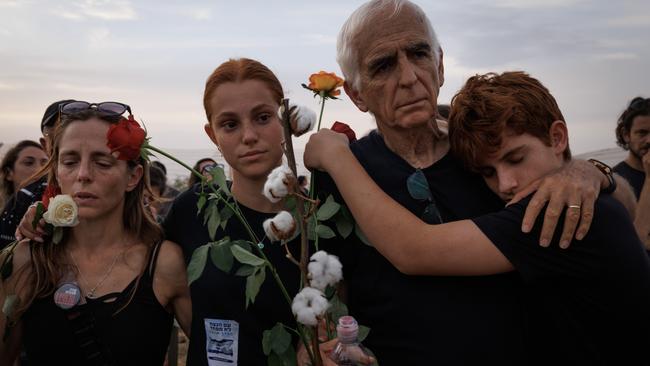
(107, 293)
(241, 102)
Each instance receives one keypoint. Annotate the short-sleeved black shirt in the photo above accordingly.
(588, 304)
(636, 178)
(422, 320)
(218, 298)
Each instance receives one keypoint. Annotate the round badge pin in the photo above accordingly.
(67, 296)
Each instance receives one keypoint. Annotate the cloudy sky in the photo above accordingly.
(156, 55)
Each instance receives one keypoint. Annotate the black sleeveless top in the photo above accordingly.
(94, 334)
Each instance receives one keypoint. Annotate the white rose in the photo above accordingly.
(62, 211)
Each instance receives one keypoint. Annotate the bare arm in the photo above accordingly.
(412, 246)
(170, 284)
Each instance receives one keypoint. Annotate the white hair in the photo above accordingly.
(347, 54)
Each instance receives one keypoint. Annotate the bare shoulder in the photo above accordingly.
(170, 261)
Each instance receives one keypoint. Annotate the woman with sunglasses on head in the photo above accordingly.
(241, 101)
(203, 166)
(107, 293)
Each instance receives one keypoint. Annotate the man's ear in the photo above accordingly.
(441, 70)
(134, 178)
(559, 136)
(355, 96)
(626, 135)
(210, 132)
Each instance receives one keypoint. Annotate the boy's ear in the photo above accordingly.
(559, 136)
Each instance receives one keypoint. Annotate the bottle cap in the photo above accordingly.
(347, 329)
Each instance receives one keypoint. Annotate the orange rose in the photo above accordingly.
(327, 82)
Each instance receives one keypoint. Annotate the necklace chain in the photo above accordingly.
(91, 293)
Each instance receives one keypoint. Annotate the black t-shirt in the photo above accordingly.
(423, 320)
(588, 304)
(16, 207)
(636, 178)
(218, 298)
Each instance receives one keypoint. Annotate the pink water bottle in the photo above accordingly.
(348, 350)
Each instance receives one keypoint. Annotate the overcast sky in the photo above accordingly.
(156, 55)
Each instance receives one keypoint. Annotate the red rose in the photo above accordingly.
(341, 127)
(126, 137)
(50, 192)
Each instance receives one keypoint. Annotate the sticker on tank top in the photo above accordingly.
(221, 342)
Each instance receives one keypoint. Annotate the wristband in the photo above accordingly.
(605, 169)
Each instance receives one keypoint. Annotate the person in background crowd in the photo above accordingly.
(168, 193)
(158, 183)
(508, 128)
(633, 134)
(19, 163)
(17, 204)
(107, 293)
(203, 166)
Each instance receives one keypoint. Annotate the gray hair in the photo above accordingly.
(347, 54)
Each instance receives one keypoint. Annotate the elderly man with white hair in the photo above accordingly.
(393, 65)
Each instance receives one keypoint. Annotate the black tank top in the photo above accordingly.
(136, 335)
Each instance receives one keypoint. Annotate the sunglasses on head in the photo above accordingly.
(106, 108)
(418, 188)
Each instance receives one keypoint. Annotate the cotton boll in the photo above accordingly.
(324, 270)
(278, 183)
(303, 120)
(308, 305)
(280, 227)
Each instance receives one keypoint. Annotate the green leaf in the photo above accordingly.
(214, 221)
(280, 339)
(197, 263)
(210, 210)
(221, 255)
(38, 215)
(253, 284)
(288, 358)
(246, 257)
(363, 333)
(201, 202)
(276, 340)
(219, 177)
(344, 222)
(324, 232)
(361, 235)
(245, 270)
(58, 235)
(244, 244)
(327, 209)
(274, 360)
(226, 214)
(337, 308)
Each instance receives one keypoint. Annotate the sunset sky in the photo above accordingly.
(156, 55)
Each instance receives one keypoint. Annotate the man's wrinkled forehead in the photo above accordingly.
(388, 22)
